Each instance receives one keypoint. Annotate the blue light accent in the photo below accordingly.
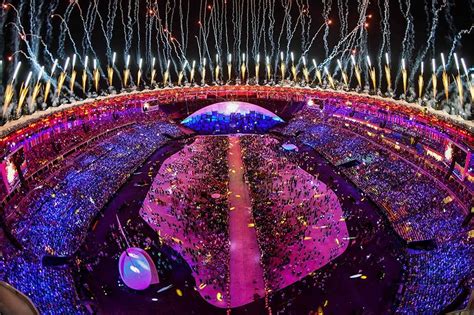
(232, 117)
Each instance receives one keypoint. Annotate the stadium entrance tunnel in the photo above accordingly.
(232, 117)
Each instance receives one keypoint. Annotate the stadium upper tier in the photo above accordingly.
(429, 135)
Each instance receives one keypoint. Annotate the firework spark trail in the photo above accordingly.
(68, 32)
(226, 29)
(241, 17)
(264, 29)
(127, 29)
(362, 33)
(327, 4)
(234, 21)
(111, 15)
(341, 45)
(237, 20)
(159, 38)
(385, 26)
(204, 35)
(430, 42)
(299, 22)
(136, 15)
(221, 17)
(35, 24)
(408, 44)
(33, 58)
(427, 9)
(88, 24)
(19, 14)
(458, 82)
(202, 25)
(287, 8)
(21, 31)
(290, 31)
(310, 44)
(148, 29)
(343, 11)
(450, 20)
(184, 28)
(214, 20)
(53, 4)
(247, 36)
(93, 7)
(254, 25)
(15, 46)
(457, 39)
(64, 30)
(171, 43)
(271, 27)
(127, 25)
(306, 22)
(160, 26)
(262, 21)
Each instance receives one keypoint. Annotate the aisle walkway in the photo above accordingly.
(246, 273)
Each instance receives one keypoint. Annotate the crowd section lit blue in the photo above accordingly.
(58, 213)
(416, 207)
(221, 123)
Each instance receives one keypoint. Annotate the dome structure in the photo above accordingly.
(137, 269)
(232, 117)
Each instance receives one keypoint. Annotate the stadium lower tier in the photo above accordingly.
(313, 217)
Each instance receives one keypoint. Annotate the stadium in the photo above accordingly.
(248, 180)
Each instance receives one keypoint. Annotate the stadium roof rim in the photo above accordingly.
(24, 121)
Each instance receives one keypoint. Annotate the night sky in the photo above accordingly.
(456, 15)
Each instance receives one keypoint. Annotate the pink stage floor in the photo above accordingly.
(246, 273)
(324, 240)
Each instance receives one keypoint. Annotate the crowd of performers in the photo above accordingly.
(417, 207)
(299, 221)
(180, 206)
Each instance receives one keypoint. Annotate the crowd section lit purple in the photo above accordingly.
(56, 216)
(414, 205)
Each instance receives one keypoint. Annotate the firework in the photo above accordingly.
(243, 68)
(23, 94)
(153, 71)
(126, 72)
(421, 81)
(110, 70)
(84, 75)
(62, 77)
(282, 67)
(36, 88)
(445, 78)
(405, 77)
(229, 67)
(388, 74)
(96, 75)
(357, 72)
(48, 84)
